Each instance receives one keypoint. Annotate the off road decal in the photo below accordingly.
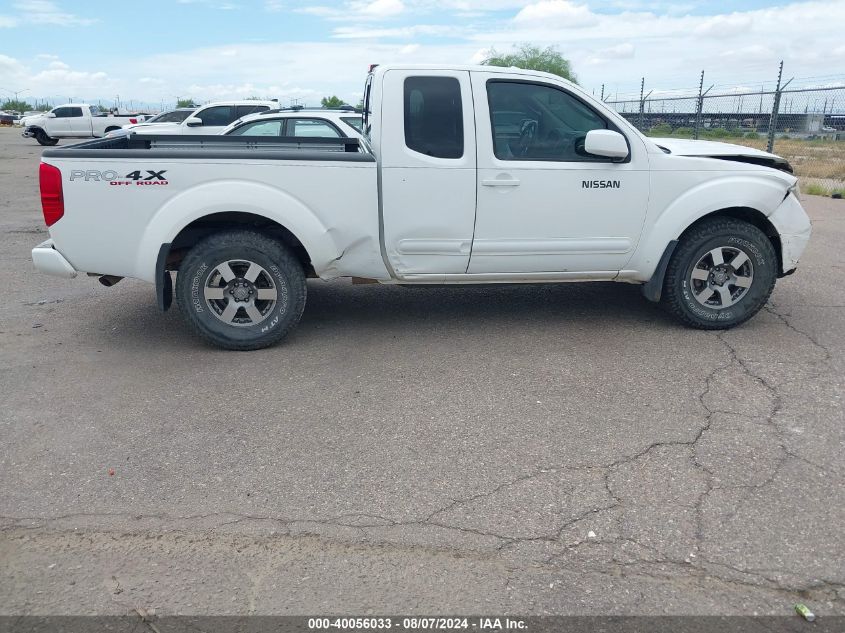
(138, 177)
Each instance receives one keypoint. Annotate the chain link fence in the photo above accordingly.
(804, 125)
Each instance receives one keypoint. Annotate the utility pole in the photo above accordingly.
(773, 119)
(642, 103)
(699, 108)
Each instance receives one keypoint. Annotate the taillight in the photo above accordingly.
(52, 198)
(133, 120)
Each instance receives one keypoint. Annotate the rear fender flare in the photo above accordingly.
(233, 195)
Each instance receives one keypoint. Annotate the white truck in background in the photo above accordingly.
(75, 120)
(465, 175)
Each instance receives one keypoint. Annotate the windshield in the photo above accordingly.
(174, 116)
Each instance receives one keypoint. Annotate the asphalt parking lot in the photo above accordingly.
(531, 449)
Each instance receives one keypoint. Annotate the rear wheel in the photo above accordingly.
(43, 139)
(721, 274)
(241, 290)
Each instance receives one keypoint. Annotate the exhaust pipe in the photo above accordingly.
(109, 280)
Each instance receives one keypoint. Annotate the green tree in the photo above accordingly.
(532, 57)
(15, 105)
(332, 102)
(185, 103)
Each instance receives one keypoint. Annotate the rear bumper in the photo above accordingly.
(50, 261)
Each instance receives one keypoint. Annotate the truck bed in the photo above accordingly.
(213, 146)
(322, 190)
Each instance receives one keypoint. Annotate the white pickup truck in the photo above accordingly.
(466, 175)
(75, 120)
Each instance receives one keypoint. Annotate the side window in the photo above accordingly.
(434, 123)
(313, 128)
(259, 128)
(75, 112)
(540, 122)
(62, 113)
(218, 115)
(243, 110)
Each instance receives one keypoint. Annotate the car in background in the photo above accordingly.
(208, 119)
(301, 122)
(170, 116)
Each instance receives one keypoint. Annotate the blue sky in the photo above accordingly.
(210, 49)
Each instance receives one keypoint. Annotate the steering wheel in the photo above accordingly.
(527, 134)
(558, 143)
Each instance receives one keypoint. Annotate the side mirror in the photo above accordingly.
(606, 143)
(51, 115)
(193, 121)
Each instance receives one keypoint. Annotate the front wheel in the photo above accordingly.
(43, 139)
(241, 290)
(721, 274)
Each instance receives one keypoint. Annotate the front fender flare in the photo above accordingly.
(730, 192)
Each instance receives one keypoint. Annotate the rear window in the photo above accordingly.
(434, 123)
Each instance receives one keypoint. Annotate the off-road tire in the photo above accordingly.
(278, 264)
(678, 292)
(43, 139)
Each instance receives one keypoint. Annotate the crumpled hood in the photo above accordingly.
(726, 151)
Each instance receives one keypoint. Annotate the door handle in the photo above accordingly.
(496, 182)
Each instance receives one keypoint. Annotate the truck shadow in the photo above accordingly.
(340, 309)
(399, 308)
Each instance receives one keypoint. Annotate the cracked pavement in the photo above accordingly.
(530, 450)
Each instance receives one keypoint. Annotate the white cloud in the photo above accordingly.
(355, 10)
(380, 8)
(48, 12)
(399, 32)
(670, 49)
(7, 22)
(725, 25)
(613, 53)
(556, 14)
(755, 52)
